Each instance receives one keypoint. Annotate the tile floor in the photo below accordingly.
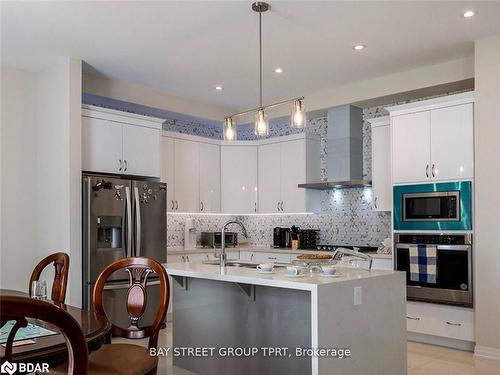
(422, 360)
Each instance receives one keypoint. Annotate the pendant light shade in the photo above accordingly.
(261, 124)
(230, 133)
(298, 119)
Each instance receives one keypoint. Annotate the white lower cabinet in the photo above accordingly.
(439, 320)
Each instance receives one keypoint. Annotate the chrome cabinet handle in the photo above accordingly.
(432, 170)
(255, 206)
(206, 255)
(454, 324)
(251, 256)
(126, 165)
(281, 206)
(176, 205)
(187, 257)
(121, 165)
(411, 318)
(172, 204)
(427, 170)
(278, 206)
(273, 258)
(375, 202)
(183, 258)
(201, 206)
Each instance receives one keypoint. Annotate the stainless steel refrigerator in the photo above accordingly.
(122, 218)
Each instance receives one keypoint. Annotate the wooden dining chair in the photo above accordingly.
(124, 358)
(61, 265)
(19, 309)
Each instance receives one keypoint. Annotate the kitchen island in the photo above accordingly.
(275, 324)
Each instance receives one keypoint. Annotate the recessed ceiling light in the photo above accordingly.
(469, 13)
(219, 88)
(358, 47)
(278, 70)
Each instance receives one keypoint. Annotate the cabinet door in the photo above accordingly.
(186, 176)
(381, 168)
(239, 179)
(293, 172)
(270, 178)
(209, 178)
(411, 147)
(141, 151)
(167, 170)
(452, 139)
(101, 145)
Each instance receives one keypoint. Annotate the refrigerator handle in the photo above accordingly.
(137, 223)
(128, 250)
(88, 224)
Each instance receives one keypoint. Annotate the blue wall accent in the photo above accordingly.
(465, 223)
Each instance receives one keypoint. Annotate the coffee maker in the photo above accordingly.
(282, 237)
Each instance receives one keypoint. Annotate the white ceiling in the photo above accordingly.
(186, 48)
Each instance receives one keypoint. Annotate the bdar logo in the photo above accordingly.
(8, 368)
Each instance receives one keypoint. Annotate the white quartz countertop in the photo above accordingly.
(264, 249)
(278, 279)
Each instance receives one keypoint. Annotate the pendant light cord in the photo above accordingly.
(260, 56)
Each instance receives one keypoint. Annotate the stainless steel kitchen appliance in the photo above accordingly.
(121, 218)
(453, 264)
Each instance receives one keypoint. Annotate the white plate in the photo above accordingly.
(294, 276)
(266, 272)
(334, 275)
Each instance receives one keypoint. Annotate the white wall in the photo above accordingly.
(41, 158)
(487, 183)
(19, 244)
(110, 88)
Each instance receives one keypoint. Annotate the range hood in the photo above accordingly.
(345, 150)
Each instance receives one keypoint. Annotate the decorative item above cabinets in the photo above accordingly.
(433, 140)
(120, 143)
(381, 163)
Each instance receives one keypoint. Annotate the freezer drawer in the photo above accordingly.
(115, 303)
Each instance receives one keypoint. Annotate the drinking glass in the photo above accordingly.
(39, 289)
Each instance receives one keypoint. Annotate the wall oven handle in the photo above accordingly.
(427, 170)
(411, 318)
(137, 223)
(454, 324)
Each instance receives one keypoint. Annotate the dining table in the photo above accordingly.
(52, 349)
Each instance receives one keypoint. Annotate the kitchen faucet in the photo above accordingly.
(223, 243)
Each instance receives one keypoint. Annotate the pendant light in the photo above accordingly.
(298, 119)
(229, 129)
(261, 124)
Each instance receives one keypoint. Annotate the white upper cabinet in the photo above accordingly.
(270, 178)
(452, 153)
(119, 142)
(141, 151)
(433, 140)
(167, 170)
(283, 165)
(191, 169)
(209, 177)
(239, 179)
(381, 164)
(101, 145)
(186, 176)
(411, 147)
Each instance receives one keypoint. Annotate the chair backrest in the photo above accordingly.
(138, 269)
(19, 308)
(61, 265)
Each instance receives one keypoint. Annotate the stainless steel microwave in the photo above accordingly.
(438, 206)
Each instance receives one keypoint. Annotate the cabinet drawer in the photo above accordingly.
(272, 257)
(445, 321)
